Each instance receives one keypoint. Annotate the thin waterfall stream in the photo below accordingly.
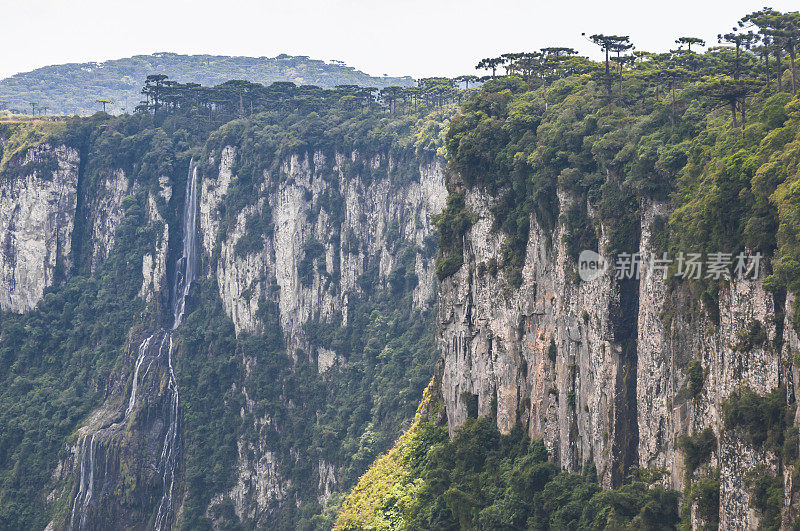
(184, 276)
(147, 356)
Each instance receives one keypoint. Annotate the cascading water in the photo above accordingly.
(86, 488)
(186, 272)
(139, 360)
(169, 449)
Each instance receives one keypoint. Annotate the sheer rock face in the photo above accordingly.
(105, 206)
(39, 204)
(544, 353)
(598, 369)
(154, 263)
(37, 213)
(358, 221)
(318, 224)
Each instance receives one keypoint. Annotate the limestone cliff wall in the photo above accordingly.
(316, 227)
(105, 209)
(42, 210)
(38, 196)
(357, 220)
(313, 228)
(598, 369)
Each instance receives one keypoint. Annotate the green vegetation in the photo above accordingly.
(753, 336)
(59, 361)
(483, 480)
(579, 233)
(16, 137)
(767, 496)
(55, 364)
(208, 371)
(73, 88)
(647, 127)
(697, 449)
(762, 420)
(705, 496)
(380, 488)
(453, 224)
(696, 376)
(390, 351)
(559, 138)
(313, 251)
(352, 413)
(284, 120)
(256, 227)
(767, 423)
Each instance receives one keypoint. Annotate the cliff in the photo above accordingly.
(38, 197)
(289, 349)
(654, 380)
(600, 370)
(304, 247)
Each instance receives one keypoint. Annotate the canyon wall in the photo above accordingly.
(38, 196)
(600, 369)
(315, 229)
(303, 244)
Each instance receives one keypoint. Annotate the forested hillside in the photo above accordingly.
(73, 88)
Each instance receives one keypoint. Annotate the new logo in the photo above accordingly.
(591, 265)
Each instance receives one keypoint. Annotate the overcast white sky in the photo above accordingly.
(414, 37)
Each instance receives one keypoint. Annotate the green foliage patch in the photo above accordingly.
(697, 449)
(611, 149)
(483, 480)
(452, 224)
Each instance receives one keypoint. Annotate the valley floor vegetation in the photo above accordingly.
(481, 479)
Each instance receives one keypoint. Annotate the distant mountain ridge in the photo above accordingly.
(72, 88)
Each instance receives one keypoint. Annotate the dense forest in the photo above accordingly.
(481, 479)
(715, 132)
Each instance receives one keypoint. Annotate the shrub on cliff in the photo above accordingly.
(452, 224)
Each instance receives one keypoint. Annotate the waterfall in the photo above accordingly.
(139, 360)
(168, 459)
(186, 272)
(184, 277)
(86, 489)
(188, 261)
